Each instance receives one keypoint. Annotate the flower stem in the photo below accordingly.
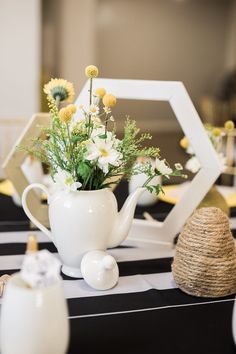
(90, 103)
(148, 180)
(90, 91)
(57, 101)
(88, 177)
(106, 121)
(71, 149)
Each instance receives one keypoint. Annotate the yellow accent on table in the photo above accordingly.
(173, 194)
(6, 188)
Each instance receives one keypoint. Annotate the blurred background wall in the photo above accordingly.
(20, 68)
(193, 41)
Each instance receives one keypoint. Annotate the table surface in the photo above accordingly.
(145, 312)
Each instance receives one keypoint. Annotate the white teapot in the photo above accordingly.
(83, 221)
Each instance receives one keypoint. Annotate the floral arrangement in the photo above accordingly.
(216, 136)
(82, 149)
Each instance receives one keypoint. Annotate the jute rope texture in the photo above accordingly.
(205, 258)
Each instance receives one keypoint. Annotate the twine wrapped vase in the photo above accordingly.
(205, 259)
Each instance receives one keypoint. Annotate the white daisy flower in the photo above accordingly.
(107, 110)
(161, 166)
(178, 166)
(65, 181)
(94, 110)
(102, 150)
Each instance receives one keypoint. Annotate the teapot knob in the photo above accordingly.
(108, 262)
(99, 270)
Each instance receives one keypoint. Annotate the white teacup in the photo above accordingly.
(33, 321)
(147, 198)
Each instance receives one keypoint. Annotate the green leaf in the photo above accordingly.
(155, 189)
(83, 170)
(102, 136)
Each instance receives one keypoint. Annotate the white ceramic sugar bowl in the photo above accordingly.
(33, 321)
(99, 270)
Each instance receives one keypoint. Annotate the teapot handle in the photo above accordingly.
(27, 211)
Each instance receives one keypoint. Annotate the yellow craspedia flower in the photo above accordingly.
(65, 114)
(100, 92)
(109, 100)
(91, 71)
(184, 143)
(72, 108)
(229, 125)
(216, 132)
(59, 88)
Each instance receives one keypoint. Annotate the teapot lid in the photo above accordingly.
(99, 270)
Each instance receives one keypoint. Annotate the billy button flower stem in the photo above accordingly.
(90, 103)
(106, 122)
(90, 91)
(91, 72)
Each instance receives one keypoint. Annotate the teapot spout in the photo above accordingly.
(124, 219)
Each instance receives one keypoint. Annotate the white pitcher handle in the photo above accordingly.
(27, 211)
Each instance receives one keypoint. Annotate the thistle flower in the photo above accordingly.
(59, 89)
(91, 71)
(229, 125)
(100, 92)
(109, 100)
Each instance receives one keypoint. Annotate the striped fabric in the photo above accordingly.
(144, 313)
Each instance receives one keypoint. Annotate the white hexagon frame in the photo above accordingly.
(175, 93)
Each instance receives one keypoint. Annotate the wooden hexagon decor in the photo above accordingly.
(12, 165)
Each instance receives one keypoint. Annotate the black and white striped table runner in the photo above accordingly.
(144, 313)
